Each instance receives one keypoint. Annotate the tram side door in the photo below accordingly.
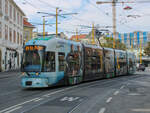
(74, 65)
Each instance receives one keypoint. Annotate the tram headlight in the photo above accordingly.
(37, 74)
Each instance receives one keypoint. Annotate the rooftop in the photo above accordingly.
(82, 36)
(26, 23)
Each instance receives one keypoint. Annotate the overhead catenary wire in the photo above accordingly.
(118, 22)
(46, 3)
(105, 13)
(77, 18)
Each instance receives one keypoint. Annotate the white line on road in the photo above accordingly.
(122, 87)
(38, 99)
(14, 109)
(47, 95)
(141, 110)
(35, 99)
(17, 105)
(116, 93)
(102, 110)
(109, 100)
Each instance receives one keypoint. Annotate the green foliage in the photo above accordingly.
(147, 49)
(118, 44)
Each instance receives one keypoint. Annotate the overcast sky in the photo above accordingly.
(88, 12)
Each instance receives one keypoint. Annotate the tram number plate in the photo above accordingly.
(28, 83)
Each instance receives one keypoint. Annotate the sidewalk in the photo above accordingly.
(10, 73)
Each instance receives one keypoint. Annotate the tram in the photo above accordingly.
(50, 61)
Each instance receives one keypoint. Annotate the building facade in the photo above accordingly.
(133, 39)
(11, 35)
(27, 30)
(40, 34)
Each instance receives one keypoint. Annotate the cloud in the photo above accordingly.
(88, 12)
(89, 15)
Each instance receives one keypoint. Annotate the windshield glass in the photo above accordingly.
(32, 59)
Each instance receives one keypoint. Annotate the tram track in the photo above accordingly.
(115, 93)
(80, 86)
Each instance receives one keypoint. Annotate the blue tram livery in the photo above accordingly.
(50, 61)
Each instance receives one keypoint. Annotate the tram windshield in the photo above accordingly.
(33, 59)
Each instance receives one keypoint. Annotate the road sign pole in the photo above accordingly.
(43, 26)
(56, 22)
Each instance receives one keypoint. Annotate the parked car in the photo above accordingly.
(141, 67)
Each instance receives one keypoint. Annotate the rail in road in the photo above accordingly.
(92, 97)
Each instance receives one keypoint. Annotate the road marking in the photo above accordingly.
(14, 109)
(38, 99)
(141, 110)
(116, 93)
(102, 110)
(47, 95)
(134, 94)
(17, 105)
(70, 99)
(122, 87)
(109, 100)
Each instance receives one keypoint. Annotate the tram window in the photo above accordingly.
(109, 61)
(73, 63)
(94, 64)
(61, 58)
(50, 62)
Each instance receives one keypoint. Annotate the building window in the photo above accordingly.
(14, 36)
(17, 38)
(10, 11)
(6, 32)
(27, 35)
(21, 40)
(10, 34)
(18, 18)
(0, 30)
(21, 20)
(6, 7)
(14, 14)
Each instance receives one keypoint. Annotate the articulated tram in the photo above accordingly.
(50, 61)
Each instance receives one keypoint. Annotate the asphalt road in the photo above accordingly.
(126, 94)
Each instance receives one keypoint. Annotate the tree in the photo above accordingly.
(147, 49)
(118, 44)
